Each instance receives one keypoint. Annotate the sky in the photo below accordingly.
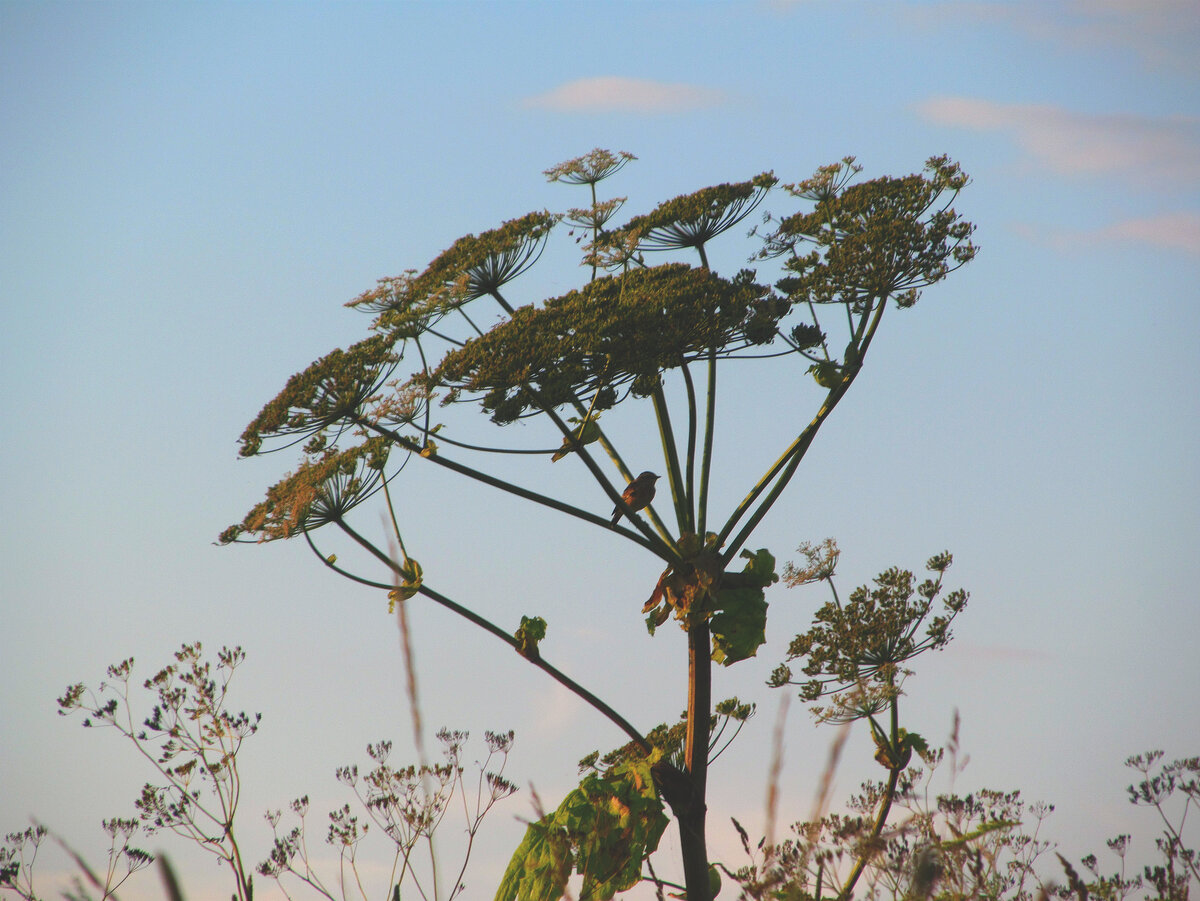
(189, 193)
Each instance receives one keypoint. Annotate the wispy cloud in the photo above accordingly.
(1180, 230)
(1161, 150)
(1163, 33)
(1175, 231)
(617, 94)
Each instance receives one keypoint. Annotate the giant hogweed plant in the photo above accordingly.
(652, 323)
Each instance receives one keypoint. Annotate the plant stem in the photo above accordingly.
(488, 626)
(710, 416)
(784, 469)
(671, 456)
(546, 501)
(691, 445)
(885, 808)
(691, 812)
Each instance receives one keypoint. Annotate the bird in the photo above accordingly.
(637, 494)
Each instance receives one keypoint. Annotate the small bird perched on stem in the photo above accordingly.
(638, 494)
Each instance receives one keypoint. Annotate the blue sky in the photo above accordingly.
(190, 192)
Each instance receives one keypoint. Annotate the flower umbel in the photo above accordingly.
(854, 648)
(321, 491)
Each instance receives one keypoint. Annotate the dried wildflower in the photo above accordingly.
(595, 216)
(400, 309)
(321, 491)
(821, 562)
(402, 406)
(613, 250)
(476, 265)
(889, 237)
(329, 394)
(691, 220)
(858, 648)
(590, 168)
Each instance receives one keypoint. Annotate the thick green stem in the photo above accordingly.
(710, 424)
(671, 456)
(785, 467)
(699, 706)
(691, 445)
(685, 792)
(615, 456)
(699, 713)
(780, 473)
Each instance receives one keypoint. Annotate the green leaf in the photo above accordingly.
(761, 567)
(602, 830)
(539, 868)
(916, 742)
(739, 627)
(740, 624)
(531, 631)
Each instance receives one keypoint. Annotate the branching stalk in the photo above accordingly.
(471, 616)
(784, 468)
(710, 424)
(671, 457)
(691, 445)
(885, 808)
(546, 501)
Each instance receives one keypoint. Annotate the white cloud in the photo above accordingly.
(1162, 150)
(616, 94)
